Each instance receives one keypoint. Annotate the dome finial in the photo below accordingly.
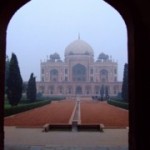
(78, 36)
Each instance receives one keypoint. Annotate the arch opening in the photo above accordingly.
(79, 73)
(79, 90)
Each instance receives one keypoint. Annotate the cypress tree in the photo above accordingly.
(125, 83)
(14, 82)
(31, 88)
(6, 71)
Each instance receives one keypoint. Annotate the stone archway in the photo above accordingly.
(138, 40)
(79, 73)
(13, 7)
(104, 76)
(78, 90)
(54, 75)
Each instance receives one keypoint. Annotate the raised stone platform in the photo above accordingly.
(74, 127)
(25, 139)
(59, 147)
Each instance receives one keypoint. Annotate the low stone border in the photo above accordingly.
(68, 127)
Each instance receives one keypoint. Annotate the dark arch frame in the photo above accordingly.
(136, 16)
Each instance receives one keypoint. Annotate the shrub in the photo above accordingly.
(118, 103)
(55, 97)
(24, 107)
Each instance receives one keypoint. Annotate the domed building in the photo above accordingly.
(79, 47)
(79, 74)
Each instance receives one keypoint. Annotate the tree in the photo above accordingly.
(31, 88)
(6, 71)
(125, 83)
(14, 82)
(24, 87)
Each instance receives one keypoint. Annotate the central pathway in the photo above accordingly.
(75, 117)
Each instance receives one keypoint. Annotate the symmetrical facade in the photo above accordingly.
(79, 74)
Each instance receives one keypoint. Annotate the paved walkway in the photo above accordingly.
(35, 139)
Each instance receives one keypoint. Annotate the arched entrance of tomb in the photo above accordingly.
(79, 73)
(135, 14)
(54, 75)
(104, 76)
(78, 90)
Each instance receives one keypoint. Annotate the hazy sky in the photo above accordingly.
(43, 27)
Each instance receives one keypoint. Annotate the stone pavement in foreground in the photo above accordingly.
(35, 139)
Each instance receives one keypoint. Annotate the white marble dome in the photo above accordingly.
(79, 47)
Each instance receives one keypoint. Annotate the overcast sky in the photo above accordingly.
(43, 27)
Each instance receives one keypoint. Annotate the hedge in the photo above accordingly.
(24, 107)
(117, 103)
